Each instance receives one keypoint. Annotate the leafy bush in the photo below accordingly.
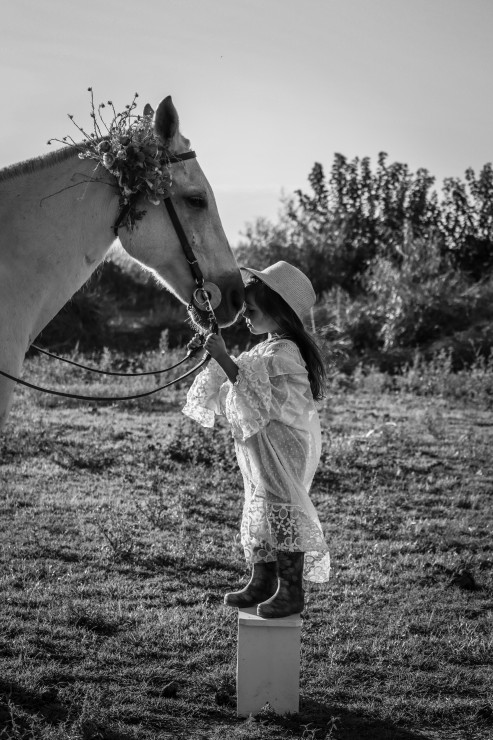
(420, 300)
(395, 267)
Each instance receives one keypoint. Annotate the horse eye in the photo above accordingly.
(197, 201)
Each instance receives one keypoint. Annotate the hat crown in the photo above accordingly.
(290, 283)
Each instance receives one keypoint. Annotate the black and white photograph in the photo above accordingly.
(246, 370)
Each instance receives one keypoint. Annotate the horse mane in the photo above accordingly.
(36, 163)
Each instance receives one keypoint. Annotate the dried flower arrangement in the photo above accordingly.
(128, 148)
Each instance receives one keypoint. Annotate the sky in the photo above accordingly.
(264, 88)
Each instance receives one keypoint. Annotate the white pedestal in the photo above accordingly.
(268, 668)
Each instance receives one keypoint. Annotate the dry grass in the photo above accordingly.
(118, 536)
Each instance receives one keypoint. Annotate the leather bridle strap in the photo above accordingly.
(182, 237)
(185, 245)
(172, 158)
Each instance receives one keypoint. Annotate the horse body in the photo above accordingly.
(56, 218)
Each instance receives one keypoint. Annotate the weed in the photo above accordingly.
(120, 537)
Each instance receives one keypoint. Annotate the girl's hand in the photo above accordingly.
(214, 344)
(196, 342)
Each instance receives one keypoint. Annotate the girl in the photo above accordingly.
(267, 396)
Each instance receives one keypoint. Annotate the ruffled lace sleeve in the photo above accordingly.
(204, 395)
(249, 399)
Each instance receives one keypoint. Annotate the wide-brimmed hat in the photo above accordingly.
(289, 282)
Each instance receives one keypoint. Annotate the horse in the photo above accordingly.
(56, 217)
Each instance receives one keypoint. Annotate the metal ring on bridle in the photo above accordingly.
(206, 297)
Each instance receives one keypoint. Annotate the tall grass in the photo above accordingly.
(435, 377)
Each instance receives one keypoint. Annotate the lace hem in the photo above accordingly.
(267, 528)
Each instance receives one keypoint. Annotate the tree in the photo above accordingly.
(336, 230)
(466, 221)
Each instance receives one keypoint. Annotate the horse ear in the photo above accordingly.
(166, 123)
(148, 110)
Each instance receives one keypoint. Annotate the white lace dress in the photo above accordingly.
(276, 430)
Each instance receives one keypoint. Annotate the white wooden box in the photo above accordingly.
(268, 667)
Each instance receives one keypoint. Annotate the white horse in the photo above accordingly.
(56, 218)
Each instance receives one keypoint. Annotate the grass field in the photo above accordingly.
(119, 537)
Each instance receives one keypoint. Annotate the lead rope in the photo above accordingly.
(205, 360)
(80, 397)
(113, 372)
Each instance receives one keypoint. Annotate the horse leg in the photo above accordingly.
(11, 363)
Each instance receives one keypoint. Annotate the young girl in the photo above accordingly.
(267, 396)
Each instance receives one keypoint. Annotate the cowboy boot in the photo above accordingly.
(289, 597)
(262, 584)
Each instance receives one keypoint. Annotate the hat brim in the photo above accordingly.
(246, 271)
(271, 283)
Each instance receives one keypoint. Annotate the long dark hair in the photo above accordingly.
(291, 326)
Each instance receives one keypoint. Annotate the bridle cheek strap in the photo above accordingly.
(203, 294)
(185, 244)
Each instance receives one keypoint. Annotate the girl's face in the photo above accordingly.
(257, 321)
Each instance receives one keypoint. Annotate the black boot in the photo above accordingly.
(262, 584)
(289, 597)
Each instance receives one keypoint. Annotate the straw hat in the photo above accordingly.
(289, 282)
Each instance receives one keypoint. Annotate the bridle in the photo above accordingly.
(203, 296)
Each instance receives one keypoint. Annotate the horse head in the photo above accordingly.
(153, 240)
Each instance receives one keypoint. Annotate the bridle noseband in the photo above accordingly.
(204, 295)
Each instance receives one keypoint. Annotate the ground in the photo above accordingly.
(119, 536)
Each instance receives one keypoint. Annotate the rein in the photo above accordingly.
(202, 363)
(111, 372)
(200, 296)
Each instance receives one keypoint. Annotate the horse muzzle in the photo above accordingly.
(226, 304)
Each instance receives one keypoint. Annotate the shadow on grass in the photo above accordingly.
(349, 725)
(22, 702)
(92, 729)
(314, 720)
(94, 620)
(24, 713)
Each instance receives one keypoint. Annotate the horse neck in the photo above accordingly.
(56, 220)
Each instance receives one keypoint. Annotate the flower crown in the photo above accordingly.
(128, 148)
